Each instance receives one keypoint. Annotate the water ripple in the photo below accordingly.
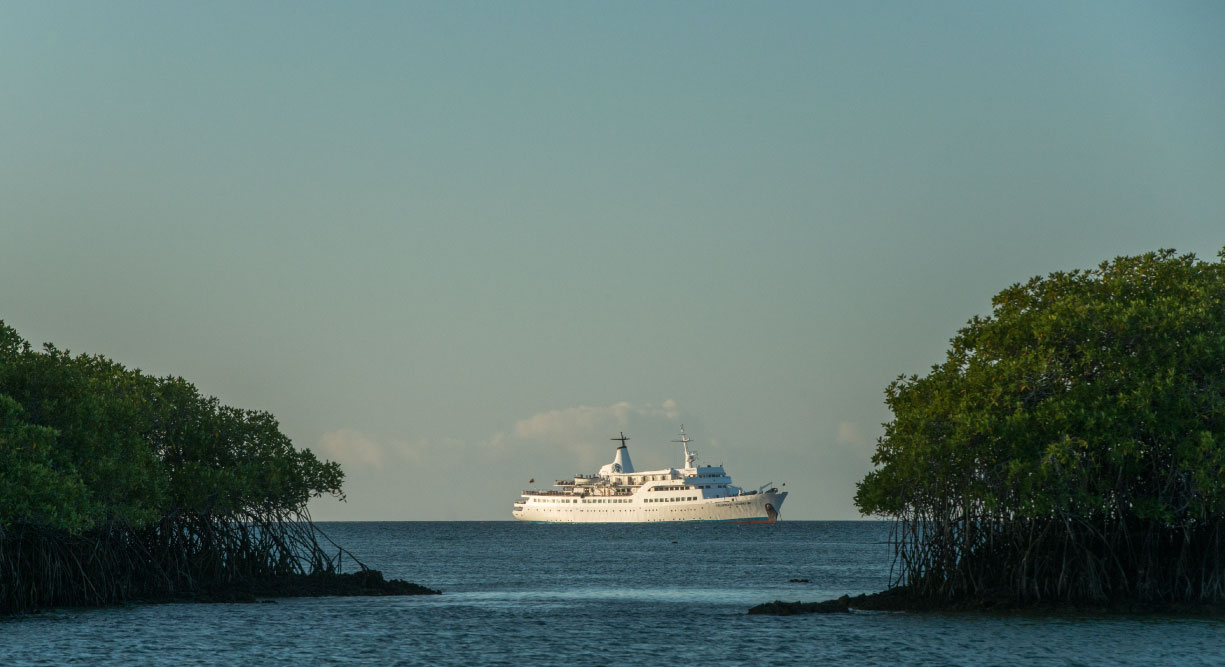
(654, 594)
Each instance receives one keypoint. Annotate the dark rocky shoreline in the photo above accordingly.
(901, 599)
(353, 584)
(363, 582)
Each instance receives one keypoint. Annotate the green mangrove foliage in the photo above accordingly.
(1071, 447)
(115, 486)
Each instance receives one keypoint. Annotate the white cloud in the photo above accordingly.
(397, 479)
(571, 424)
(351, 447)
(586, 425)
(850, 433)
(584, 432)
(429, 450)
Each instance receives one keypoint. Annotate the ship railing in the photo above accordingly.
(585, 493)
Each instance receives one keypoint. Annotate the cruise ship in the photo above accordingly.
(620, 494)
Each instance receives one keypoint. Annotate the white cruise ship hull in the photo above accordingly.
(747, 508)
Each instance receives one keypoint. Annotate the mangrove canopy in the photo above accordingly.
(1071, 447)
(118, 486)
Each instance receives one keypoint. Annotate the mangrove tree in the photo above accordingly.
(118, 486)
(1071, 446)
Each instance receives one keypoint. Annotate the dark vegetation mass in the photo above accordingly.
(1071, 447)
(116, 486)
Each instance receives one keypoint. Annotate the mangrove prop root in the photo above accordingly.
(1057, 559)
(184, 558)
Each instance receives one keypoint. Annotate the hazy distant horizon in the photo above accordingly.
(456, 246)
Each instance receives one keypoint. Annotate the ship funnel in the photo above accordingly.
(622, 462)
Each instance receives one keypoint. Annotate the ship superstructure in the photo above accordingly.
(620, 494)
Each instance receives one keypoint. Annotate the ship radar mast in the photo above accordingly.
(691, 457)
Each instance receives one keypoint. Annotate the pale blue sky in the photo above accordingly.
(457, 245)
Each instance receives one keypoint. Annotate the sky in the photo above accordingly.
(458, 245)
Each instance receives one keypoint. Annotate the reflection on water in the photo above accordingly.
(653, 594)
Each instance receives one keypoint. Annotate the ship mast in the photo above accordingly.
(691, 458)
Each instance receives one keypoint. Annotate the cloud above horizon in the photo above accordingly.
(554, 441)
(851, 433)
(351, 447)
(588, 425)
(584, 431)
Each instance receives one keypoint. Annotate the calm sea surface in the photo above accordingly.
(601, 594)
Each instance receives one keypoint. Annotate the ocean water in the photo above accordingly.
(660, 594)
